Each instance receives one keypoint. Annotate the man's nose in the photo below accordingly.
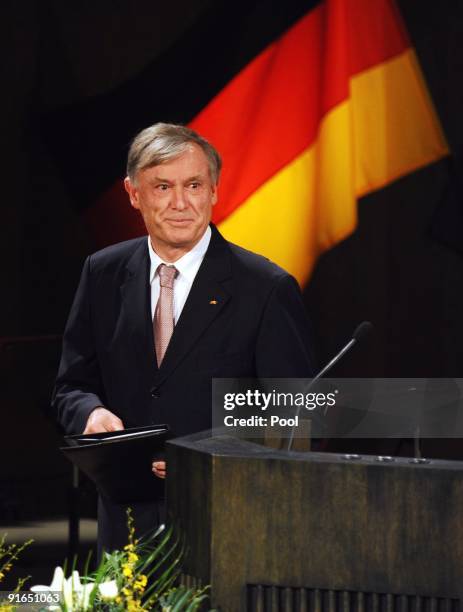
(178, 199)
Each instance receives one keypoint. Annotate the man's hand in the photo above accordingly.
(101, 420)
(159, 469)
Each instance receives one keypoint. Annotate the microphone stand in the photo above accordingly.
(360, 331)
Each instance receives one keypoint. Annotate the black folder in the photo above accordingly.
(119, 462)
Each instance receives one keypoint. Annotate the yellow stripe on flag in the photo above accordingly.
(395, 125)
(297, 213)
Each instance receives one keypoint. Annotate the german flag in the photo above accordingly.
(326, 105)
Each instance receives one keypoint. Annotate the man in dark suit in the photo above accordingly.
(139, 349)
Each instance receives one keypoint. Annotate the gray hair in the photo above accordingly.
(162, 142)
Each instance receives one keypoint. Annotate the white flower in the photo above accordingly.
(75, 595)
(108, 590)
(58, 580)
(56, 583)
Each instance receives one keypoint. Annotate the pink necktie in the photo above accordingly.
(164, 313)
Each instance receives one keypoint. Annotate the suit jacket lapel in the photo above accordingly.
(136, 307)
(205, 301)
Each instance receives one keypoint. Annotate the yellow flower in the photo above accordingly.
(132, 557)
(143, 579)
(127, 571)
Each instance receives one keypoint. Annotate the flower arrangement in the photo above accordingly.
(8, 554)
(139, 578)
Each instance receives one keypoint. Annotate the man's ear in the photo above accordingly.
(132, 191)
(214, 194)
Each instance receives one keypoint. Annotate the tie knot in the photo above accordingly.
(167, 275)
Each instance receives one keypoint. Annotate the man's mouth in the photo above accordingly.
(179, 222)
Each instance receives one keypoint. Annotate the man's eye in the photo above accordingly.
(162, 187)
(195, 185)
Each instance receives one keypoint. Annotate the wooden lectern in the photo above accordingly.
(275, 531)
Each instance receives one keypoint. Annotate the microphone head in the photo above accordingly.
(362, 330)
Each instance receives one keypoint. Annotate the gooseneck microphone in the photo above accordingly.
(360, 332)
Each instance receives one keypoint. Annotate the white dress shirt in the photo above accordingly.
(187, 267)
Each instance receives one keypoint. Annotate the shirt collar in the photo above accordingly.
(187, 265)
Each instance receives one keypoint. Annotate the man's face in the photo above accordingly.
(175, 199)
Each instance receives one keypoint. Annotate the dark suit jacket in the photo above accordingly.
(258, 328)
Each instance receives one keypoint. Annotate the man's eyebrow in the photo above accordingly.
(159, 179)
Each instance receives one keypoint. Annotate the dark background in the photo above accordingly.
(402, 268)
(391, 271)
